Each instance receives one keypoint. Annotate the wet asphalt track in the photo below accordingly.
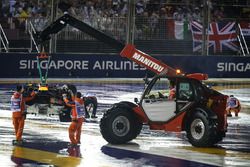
(46, 139)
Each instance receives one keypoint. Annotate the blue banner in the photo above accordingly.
(16, 65)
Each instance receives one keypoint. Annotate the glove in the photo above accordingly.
(64, 96)
(33, 93)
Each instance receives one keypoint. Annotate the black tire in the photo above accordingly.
(201, 131)
(218, 137)
(119, 126)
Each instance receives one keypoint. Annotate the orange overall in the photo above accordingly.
(171, 93)
(77, 116)
(18, 115)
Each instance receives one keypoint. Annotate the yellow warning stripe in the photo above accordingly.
(46, 157)
(220, 151)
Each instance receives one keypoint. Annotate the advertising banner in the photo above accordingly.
(15, 65)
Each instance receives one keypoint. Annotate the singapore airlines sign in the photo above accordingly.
(80, 65)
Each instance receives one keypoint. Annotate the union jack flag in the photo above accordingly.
(222, 36)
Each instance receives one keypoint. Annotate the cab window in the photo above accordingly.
(160, 89)
(185, 91)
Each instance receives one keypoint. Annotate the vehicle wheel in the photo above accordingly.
(218, 137)
(201, 131)
(119, 126)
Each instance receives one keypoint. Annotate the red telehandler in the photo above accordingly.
(195, 108)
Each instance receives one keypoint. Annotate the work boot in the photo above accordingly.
(17, 142)
(72, 145)
(229, 115)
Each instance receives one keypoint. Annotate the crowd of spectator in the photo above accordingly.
(18, 11)
(110, 14)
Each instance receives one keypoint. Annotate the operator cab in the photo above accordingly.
(166, 97)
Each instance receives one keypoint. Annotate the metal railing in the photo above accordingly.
(241, 38)
(32, 31)
(3, 40)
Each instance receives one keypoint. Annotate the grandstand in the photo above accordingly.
(161, 27)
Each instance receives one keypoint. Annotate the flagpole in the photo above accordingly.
(130, 22)
(205, 27)
(208, 23)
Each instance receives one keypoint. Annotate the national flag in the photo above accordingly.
(177, 29)
(180, 29)
(221, 36)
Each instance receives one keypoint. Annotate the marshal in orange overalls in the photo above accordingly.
(233, 104)
(77, 116)
(18, 111)
(172, 90)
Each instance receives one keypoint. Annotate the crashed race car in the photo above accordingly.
(49, 100)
